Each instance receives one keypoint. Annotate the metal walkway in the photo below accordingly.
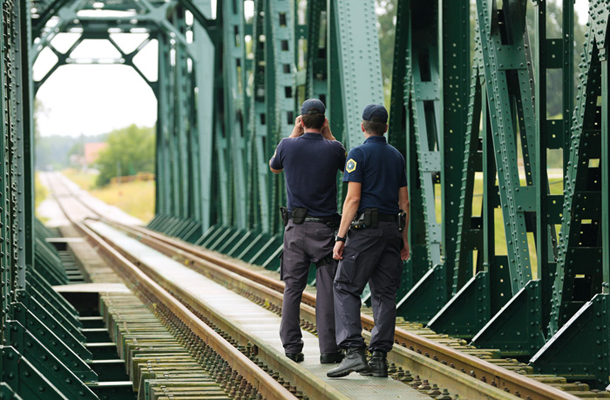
(261, 323)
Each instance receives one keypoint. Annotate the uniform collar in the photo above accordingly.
(312, 135)
(376, 139)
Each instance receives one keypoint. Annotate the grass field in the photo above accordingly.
(556, 187)
(135, 198)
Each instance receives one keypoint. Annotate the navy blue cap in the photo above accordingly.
(375, 113)
(312, 106)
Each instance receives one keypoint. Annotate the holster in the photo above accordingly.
(285, 215)
(335, 222)
(368, 219)
(402, 220)
(298, 215)
(358, 222)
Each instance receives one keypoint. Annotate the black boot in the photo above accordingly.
(378, 365)
(296, 357)
(331, 358)
(354, 361)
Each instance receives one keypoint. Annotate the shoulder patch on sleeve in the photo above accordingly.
(351, 165)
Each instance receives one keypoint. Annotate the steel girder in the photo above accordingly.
(270, 64)
(227, 98)
(579, 303)
(501, 92)
(501, 305)
(35, 333)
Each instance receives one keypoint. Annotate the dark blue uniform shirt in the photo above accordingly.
(380, 168)
(310, 163)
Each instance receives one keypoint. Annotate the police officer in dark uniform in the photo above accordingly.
(310, 158)
(372, 250)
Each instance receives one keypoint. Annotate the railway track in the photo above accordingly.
(449, 363)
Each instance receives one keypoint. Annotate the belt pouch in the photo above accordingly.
(298, 215)
(371, 217)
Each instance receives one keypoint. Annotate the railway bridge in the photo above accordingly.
(510, 208)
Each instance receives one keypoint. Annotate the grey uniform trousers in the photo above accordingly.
(371, 255)
(306, 243)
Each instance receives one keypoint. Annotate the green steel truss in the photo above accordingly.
(266, 65)
(469, 112)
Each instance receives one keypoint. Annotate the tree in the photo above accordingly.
(39, 111)
(555, 78)
(130, 150)
(386, 26)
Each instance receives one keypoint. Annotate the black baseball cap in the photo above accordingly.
(375, 113)
(312, 106)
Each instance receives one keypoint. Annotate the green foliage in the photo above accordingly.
(53, 152)
(77, 149)
(40, 191)
(386, 24)
(39, 109)
(554, 30)
(130, 150)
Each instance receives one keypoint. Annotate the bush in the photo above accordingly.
(130, 150)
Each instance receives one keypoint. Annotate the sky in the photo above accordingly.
(95, 99)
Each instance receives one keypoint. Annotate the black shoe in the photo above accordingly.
(354, 361)
(331, 358)
(296, 357)
(378, 365)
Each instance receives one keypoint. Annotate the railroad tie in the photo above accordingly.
(157, 358)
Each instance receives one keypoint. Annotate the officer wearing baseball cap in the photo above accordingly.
(371, 242)
(310, 158)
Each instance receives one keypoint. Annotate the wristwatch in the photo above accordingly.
(339, 239)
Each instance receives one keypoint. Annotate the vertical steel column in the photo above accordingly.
(20, 129)
(6, 283)
(203, 71)
(552, 53)
(426, 114)
(27, 127)
(356, 53)
(437, 69)
(605, 172)
(164, 177)
(399, 138)
(418, 22)
(454, 63)
(260, 122)
(181, 96)
(279, 15)
(317, 50)
(579, 274)
(234, 112)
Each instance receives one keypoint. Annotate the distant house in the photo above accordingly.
(92, 151)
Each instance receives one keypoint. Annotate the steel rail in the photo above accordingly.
(497, 381)
(259, 379)
(295, 374)
(488, 374)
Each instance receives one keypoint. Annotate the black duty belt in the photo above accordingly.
(383, 217)
(323, 220)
